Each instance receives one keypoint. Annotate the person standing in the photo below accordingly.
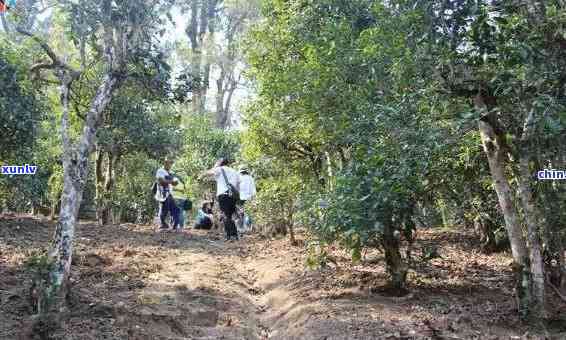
(227, 186)
(182, 203)
(167, 206)
(247, 192)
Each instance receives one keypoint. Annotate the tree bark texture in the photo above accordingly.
(105, 179)
(75, 172)
(290, 219)
(529, 267)
(531, 214)
(396, 266)
(227, 83)
(99, 196)
(495, 152)
(535, 250)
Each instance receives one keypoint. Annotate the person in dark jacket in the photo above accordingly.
(226, 178)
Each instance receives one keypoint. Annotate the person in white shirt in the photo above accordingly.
(247, 192)
(167, 206)
(247, 185)
(222, 172)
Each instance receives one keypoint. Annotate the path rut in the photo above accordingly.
(205, 291)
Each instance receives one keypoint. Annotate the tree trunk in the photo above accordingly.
(227, 82)
(197, 31)
(483, 230)
(105, 204)
(220, 93)
(531, 214)
(291, 225)
(109, 186)
(99, 186)
(494, 150)
(329, 171)
(495, 157)
(227, 105)
(396, 266)
(75, 172)
(53, 296)
(212, 22)
(197, 88)
(120, 217)
(560, 192)
(193, 33)
(104, 185)
(292, 238)
(562, 264)
(537, 306)
(53, 208)
(206, 37)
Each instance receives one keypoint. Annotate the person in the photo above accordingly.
(204, 217)
(167, 206)
(225, 178)
(182, 203)
(185, 206)
(247, 192)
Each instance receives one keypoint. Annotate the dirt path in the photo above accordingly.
(132, 283)
(202, 292)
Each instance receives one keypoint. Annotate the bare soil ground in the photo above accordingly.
(129, 282)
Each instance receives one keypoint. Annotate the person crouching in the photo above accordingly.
(204, 217)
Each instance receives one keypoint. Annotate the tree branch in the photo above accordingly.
(43, 65)
(557, 291)
(56, 61)
(529, 125)
(48, 81)
(43, 45)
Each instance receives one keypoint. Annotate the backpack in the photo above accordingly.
(187, 205)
